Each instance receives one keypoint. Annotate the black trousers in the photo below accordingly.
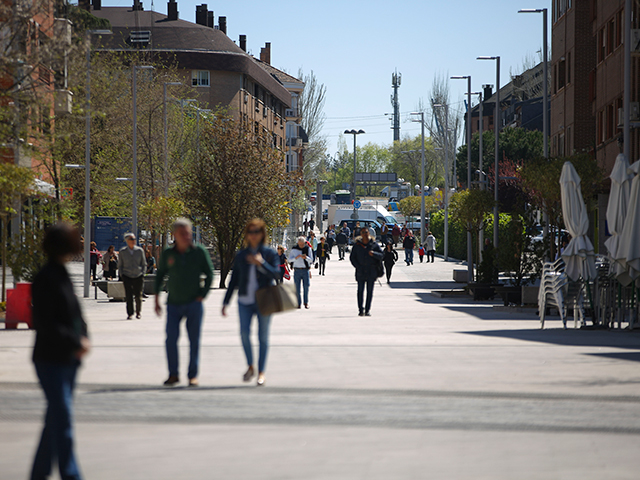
(387, 268)
(433, 255)
(341, 249)
(133, 289)
(323, 262)
(369, 283)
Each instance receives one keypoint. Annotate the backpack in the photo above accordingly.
(380, 268)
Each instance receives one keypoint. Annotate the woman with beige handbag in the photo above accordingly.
(256, 267)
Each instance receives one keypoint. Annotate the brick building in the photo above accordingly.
(219, 70)
(587, 65)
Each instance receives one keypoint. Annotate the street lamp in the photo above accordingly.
(422, 212)
(134, 219)
(166, 148)
(353, 193)
(496, 126)
(469, 241)
(87, 167)
(446, 178)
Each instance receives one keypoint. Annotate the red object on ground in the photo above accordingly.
(18, 306)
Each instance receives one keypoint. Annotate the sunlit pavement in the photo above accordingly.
(425, 388)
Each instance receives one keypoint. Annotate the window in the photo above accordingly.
(618, 29)
(602, 41)
(555, 78)
(569, 141)
(599, 128)
(611, 123)
(611, 37)
(200, 78)
(569, 67)
(561, 152)
(562, 67)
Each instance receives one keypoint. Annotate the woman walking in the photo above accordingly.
(256, 266)
(95, 257)
(322, 254)
(110, 263)
(61, 342)
(151, 260)
(365, 257)
(282, 261)
(390, 258)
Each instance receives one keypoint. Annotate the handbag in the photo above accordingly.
(276, 298)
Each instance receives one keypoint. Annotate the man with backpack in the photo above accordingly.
(301, 256)
(366, 257)
(341, 240)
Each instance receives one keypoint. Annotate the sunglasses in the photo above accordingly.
(254, 232)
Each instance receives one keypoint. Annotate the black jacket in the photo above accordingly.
(341, 238)
(57, 317)
(366, 265)
(390, 257)
(409, 242)
(322, 247)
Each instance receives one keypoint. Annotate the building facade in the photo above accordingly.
(220, 72)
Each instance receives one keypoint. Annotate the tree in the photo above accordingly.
(469, 207)
(406, 161)
(15, 182)
(235, 178)
(311, 105)
(410, 206)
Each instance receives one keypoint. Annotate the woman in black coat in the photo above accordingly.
(390, 258)
(61, 342)
(366, 256)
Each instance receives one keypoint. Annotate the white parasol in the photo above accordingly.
(629, 244)
(617, 212)
(578, 256)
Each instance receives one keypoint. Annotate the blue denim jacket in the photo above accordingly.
(267, 273)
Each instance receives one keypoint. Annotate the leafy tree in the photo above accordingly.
(15, 182)
(160, 213)
(409, 165)
(410, 206)
(235, 178)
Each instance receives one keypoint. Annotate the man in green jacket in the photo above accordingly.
(185, 264)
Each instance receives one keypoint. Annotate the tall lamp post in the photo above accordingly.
(545, 94)
(496, 128)
(422, 212)
(469, 240)
(353, 193)
(446, 178)
(134, 218)
(87, 167)
(165, 128)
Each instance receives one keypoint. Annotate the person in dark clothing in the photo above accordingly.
(132, 266)
(284, 269)
(110, 263)
(390, 258)
(365, 257)
(322, 254)
(312, 223)
(61, 343)
(95, 257)
(408, 244)
(341, 241)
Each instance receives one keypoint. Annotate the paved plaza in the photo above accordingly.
(427, 387)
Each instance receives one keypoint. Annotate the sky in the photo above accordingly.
(354, 47)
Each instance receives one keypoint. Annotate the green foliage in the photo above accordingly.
(469, 207)
(236, 177)
(15, 181)
(515, 144)
(83, 20)
(457, 236)
(26, 256)
(410, 206)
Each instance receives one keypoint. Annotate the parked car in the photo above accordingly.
(313, 197)
(325, 214)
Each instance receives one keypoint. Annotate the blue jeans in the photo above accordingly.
(408, 255)
(175, 313)
(56, 442)
(301, 276)
(264, 322)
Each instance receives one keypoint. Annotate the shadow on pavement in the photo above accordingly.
(628, 356)
(483, 310)
(572, 337)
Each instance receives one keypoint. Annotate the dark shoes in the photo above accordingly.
(361, 314)
(248, 375)
(306, 305)
(367, 314)
(138, 316)
(172, 380)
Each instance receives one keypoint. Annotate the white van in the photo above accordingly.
(340, 213)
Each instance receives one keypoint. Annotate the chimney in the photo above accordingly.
(97, 4)
(201, 14)
(84, 4)
(222, 24)
(172, 10)
(137, 5)
(243, 42)
(487, 91)
(265, 53)
(210, 19)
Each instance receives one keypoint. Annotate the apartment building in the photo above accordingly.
(221, 72)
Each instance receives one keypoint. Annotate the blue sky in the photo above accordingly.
(353, 48)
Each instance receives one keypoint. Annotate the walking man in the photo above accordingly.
(341, 241)
(431, 247)
(302, 258)
(132, 266)
(365, 257)
(408, 244)
(184, 265)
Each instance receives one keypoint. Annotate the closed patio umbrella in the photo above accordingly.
(578, 256)
(629, 243)
(617, 212)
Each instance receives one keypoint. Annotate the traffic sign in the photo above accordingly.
(357, 204)
(438, 195)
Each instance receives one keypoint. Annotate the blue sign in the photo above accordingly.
(357, 204)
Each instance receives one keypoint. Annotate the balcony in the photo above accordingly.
(292, 113)
(294, 142)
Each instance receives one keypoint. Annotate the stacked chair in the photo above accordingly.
(556, 290)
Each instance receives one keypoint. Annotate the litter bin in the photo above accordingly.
(18, 306)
